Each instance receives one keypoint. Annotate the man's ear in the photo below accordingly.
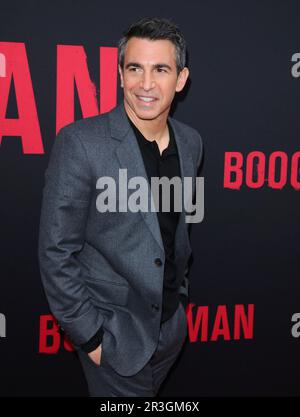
(182, 79)
(121, 75)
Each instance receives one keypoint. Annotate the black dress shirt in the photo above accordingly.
(159, 165)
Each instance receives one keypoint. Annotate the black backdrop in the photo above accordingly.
(243, 96)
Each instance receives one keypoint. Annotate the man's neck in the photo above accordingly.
(155, 129)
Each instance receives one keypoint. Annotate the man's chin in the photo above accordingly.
(147, 114)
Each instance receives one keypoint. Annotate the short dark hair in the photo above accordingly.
(155, 29)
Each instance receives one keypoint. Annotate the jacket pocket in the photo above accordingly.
(105, 291)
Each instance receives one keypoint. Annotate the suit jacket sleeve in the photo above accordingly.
(65, 205)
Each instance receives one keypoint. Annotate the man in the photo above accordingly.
(113, 278)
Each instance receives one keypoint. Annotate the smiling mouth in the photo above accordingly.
(145, 99)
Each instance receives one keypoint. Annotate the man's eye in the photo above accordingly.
(159, 69)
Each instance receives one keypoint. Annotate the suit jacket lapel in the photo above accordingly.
(187, 170)
(130, 158)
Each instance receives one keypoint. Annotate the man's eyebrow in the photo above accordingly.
(159, 65)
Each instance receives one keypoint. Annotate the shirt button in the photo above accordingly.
(158, 262)
(155, 306)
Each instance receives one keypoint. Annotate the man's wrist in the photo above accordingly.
(93, 343)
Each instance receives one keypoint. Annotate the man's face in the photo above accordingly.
(150, 72)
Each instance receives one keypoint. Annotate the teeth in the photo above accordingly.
(146, 98)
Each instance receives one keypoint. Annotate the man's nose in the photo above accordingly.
(147, 81)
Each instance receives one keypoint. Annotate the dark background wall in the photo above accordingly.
(243, 96)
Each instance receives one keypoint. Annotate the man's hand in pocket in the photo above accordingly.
(95, 355)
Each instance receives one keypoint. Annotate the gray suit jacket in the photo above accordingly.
(98, 269)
